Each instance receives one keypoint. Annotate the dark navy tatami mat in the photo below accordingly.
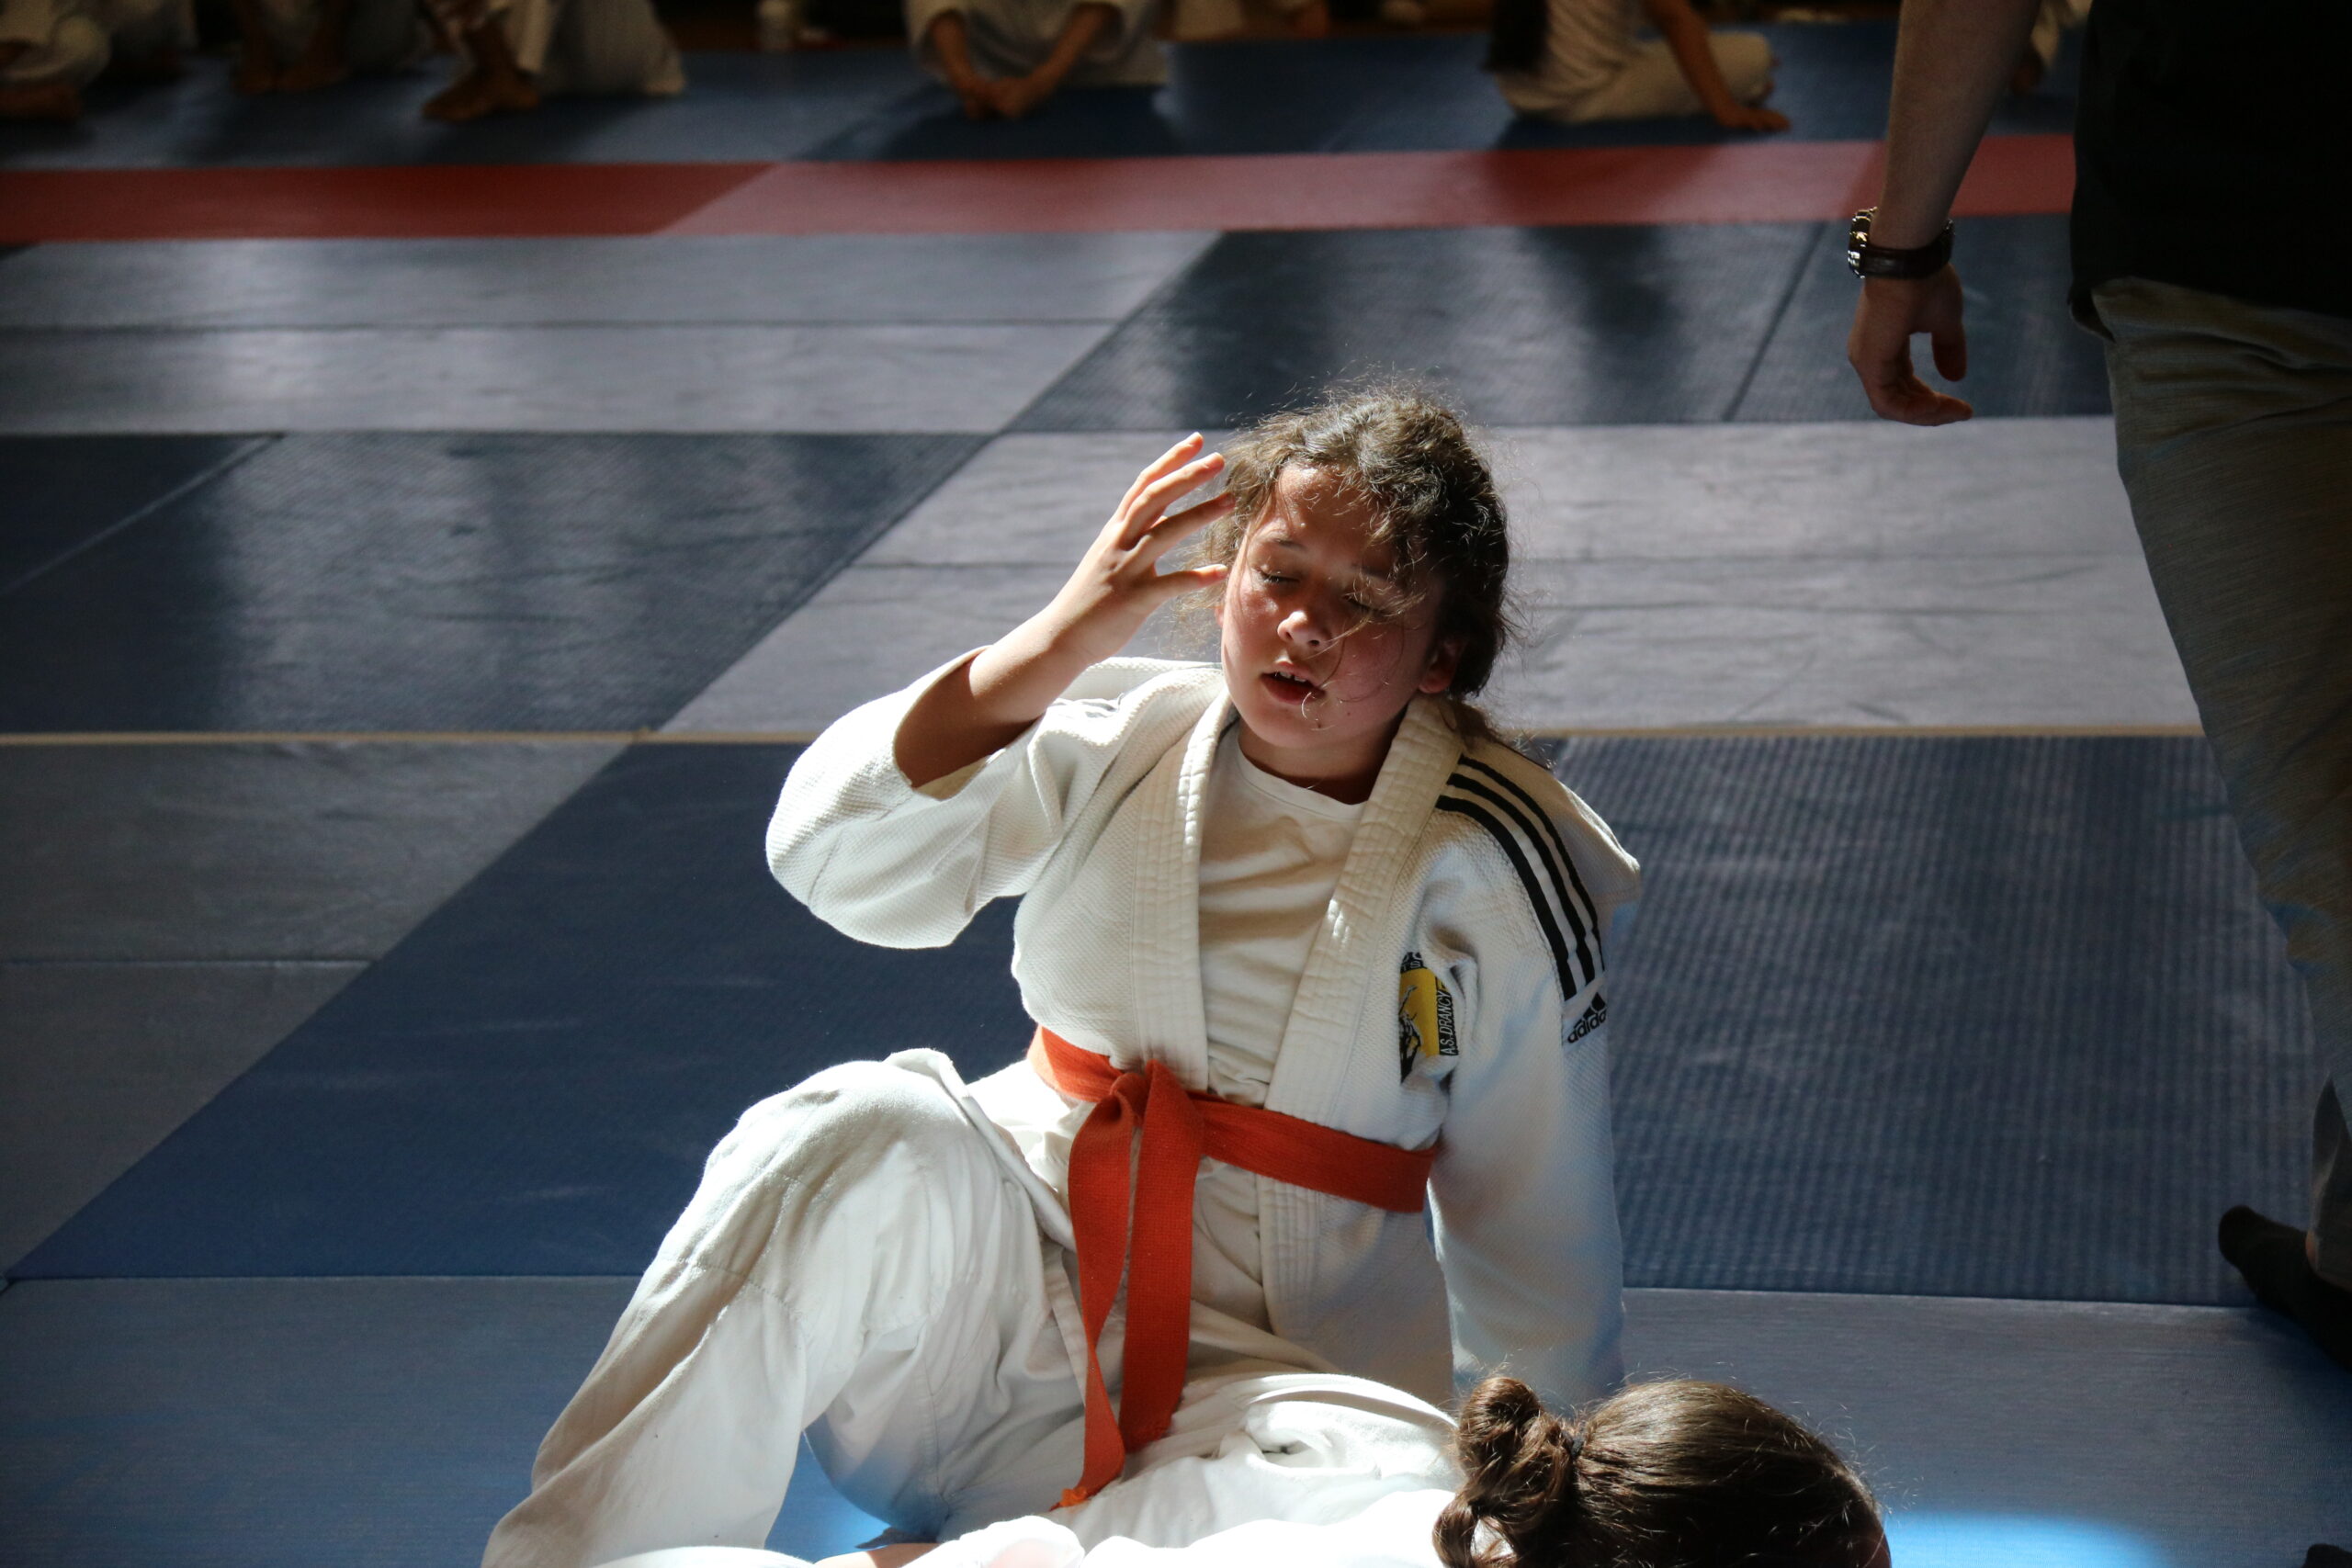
(59, 494)
(436, 582)
(1627, 324)
(1945, 1016)
(2026, 354)
(1972, 1017)
(1405, 93)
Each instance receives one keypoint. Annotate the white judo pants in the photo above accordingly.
(859, 1261)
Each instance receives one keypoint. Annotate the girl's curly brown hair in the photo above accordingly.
(1433, 501)
(1671, 1474)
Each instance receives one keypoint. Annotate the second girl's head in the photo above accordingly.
(1368, 553)
(1674, 1474)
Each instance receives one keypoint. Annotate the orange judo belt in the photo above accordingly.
(1176, 1129)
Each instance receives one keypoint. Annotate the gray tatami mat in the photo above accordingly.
(689, 379)
(286, 1424)
(99, 1063)
(643, 280)
(291, 851)
(1842, 573)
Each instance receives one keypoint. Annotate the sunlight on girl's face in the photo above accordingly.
(1321, 651)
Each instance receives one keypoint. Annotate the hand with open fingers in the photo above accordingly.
(1119, 582)
(1891, 312)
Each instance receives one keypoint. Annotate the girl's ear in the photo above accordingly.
(1445, 657)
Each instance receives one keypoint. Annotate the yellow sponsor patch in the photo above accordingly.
(1424, 1016)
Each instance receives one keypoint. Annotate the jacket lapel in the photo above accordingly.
(1171, 1023)
(1350, 972)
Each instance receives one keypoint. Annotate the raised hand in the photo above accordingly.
(1118, 582)
(984, 703)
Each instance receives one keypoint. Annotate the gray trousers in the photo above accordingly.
(2234, 434)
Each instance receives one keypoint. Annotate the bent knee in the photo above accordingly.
(856, 1123)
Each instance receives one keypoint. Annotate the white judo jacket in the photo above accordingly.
(1454, 995)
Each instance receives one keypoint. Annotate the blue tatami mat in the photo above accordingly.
(1989, 1017)
(437, 582)
(358, 1422)
(1416, 91)
(299, 1423)
(529, 1082)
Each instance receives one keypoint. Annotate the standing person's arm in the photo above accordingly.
(1953, 58)
(1686, 33)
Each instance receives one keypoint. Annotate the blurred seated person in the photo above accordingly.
(512, 53)
(322, 41)
(1578, 61)
(1003, 58)
(49, 51)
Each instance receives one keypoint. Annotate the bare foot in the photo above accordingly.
(49, 100)
(256, 72)
(480, 93)
(317, 68)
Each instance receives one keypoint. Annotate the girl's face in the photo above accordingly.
(1320, 653)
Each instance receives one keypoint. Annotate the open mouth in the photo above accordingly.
(1287, 687)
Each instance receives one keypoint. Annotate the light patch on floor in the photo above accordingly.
(1836, 574)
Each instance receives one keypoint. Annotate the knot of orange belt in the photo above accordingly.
(1179, 1128)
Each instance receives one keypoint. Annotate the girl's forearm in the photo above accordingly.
(1951, 60)
(983, 705)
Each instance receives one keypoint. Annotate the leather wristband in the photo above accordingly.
(1888, 261)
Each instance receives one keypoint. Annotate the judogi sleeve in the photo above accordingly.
(1524, 1187)
(888, 864)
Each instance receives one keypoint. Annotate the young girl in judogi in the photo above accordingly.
(1319, 1079)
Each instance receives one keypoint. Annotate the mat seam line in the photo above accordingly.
(1772, 332)
(257, 444)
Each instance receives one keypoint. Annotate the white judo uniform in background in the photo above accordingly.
(62, 43)
(1012, 37)
(881, 1254)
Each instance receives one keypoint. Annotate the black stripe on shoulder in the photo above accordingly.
(1578, 927)
(1550, 831)
(1542, 906)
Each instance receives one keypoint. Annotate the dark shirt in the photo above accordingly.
(2213, 149)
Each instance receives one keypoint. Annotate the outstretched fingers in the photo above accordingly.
(1141, 518)
(1166, 463)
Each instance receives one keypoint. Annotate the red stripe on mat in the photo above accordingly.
(410, 201)
(1742, 183)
